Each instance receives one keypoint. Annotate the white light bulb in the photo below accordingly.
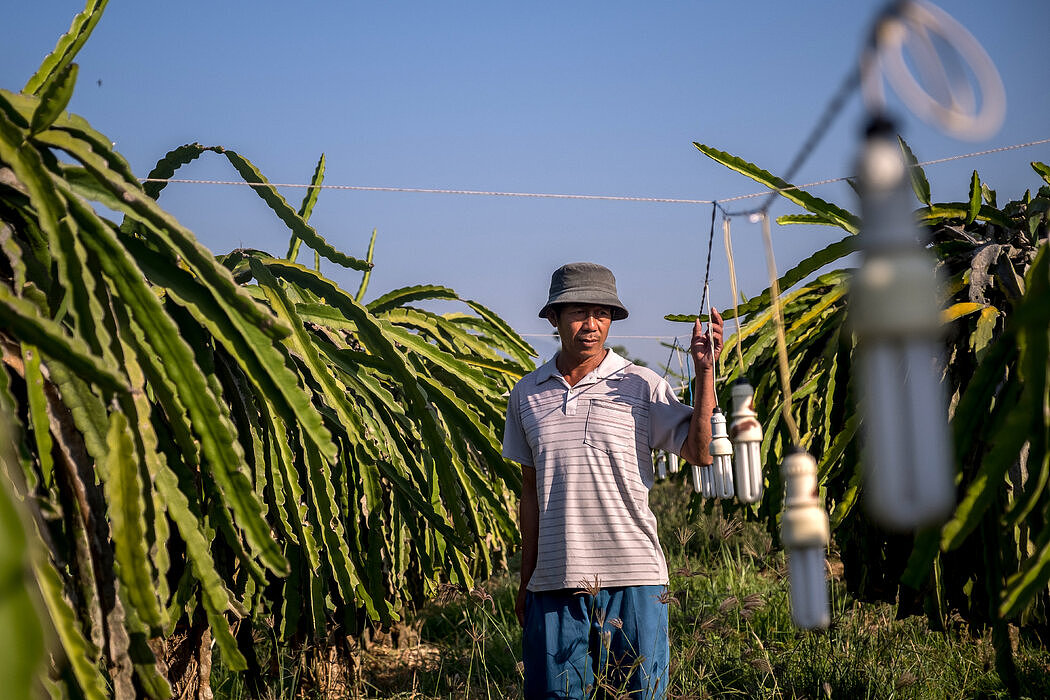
(672, 464)
(698, 485)
(707, 481)
(746, 434)
(661, 465)
(909, 480)
(805, 532)
(809, 590)
(721, 450)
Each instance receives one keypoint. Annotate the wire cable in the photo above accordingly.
(593, 197)
(831, 112)
(707, 269)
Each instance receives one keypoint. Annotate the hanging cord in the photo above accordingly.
(706, 296)
(733, 288)
(778, 322)
(707, 270)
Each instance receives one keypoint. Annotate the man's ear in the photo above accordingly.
(552, 316)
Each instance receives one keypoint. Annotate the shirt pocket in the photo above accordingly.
(611, 426)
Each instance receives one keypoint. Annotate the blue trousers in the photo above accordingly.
(580, 646)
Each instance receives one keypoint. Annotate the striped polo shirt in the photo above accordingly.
(591, 447)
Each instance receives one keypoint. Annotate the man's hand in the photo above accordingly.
(519, 604)
(529, 522)
(701, 349)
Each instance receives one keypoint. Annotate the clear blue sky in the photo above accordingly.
(564, 97)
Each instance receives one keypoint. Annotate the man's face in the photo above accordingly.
(583, 328)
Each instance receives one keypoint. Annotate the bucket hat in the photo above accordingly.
(584, 283)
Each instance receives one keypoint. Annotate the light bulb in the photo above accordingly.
(698, 485)
(661, 465)
(909, 480)
(805, 532)
(721, 450)
(746, 434)
(672, 464)
(809, 590)
(707, 481)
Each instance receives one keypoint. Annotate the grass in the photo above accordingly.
(731, 636)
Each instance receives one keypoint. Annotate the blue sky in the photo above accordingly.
(561, 97)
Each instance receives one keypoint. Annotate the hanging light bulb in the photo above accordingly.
(746, 434)
(805, 532)
(698, 480)
(721, 450)
(895, 314)
(672, 464)
(705, 474)
(661, 465)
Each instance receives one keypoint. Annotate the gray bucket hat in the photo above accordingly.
(584, 283)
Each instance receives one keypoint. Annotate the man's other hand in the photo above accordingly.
(519, 604)
(701, 347)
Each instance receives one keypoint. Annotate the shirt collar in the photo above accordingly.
(612, 367)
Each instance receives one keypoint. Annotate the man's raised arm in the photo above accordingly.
(695, 447)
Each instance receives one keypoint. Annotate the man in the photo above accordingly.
(583, 426)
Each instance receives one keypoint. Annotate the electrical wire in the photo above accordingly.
(707, 269)
(833, 109)
(594, 197)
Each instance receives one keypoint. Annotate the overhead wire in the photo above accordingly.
(830, 113)
(595, 197)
